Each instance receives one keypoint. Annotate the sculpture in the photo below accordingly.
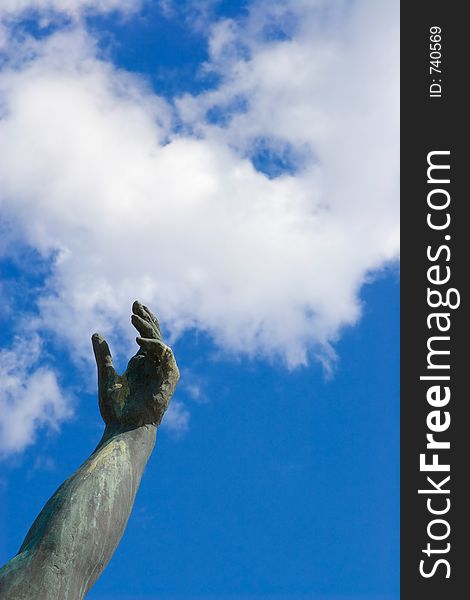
(73, 538)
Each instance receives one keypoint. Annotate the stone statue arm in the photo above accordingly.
(76, 533)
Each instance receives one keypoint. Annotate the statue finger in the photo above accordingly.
(152, 347)
(171, 375)
(170, 369)
(104, 360)
(144, 327)
(165, 356)
(170, 379)
(144, 313)
(154, 320)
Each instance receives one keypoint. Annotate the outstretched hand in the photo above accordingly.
(142, 394)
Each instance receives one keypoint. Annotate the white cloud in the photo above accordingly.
(30, 397)
(95, 179)
(176, 419)
(73, 8)
(194, 386)
(270, 266)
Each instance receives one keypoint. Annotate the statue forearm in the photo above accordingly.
(76, 533)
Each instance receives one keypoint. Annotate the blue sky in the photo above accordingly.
(230, 165)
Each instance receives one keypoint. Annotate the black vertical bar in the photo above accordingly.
(433, 119)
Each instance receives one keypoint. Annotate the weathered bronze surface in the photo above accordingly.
(74, 536)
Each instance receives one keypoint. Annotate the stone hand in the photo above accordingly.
(142, 394)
